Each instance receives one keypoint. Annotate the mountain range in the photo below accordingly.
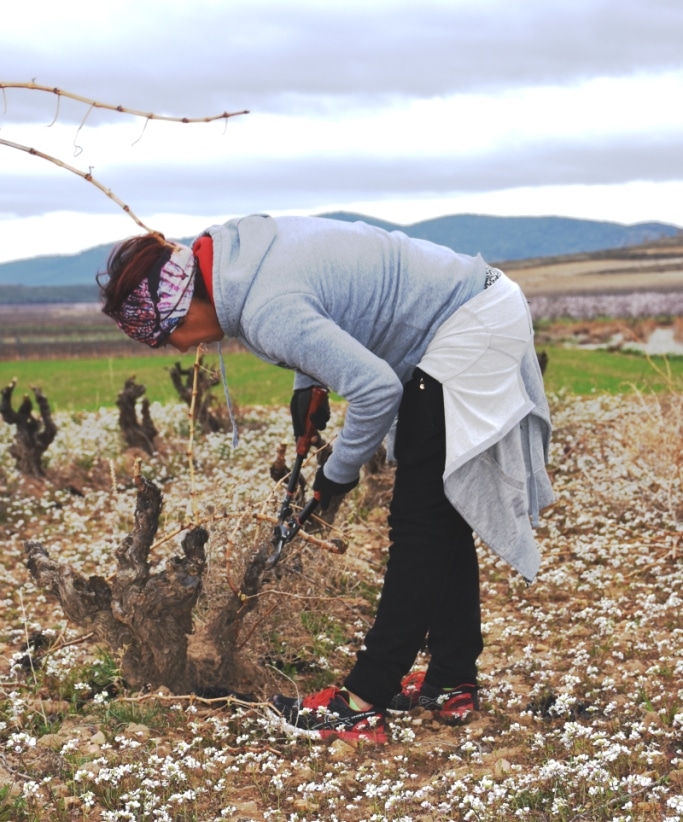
(63, 277)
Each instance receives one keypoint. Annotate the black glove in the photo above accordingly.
(299, 405)
(326, 488)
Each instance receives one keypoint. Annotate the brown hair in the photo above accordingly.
(128, 265)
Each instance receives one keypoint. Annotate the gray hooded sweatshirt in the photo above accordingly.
(345, 305)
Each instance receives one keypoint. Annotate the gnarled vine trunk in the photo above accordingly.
(148, 618)
(137, 433)
(183, 380)
(145, 616)
(33, 434)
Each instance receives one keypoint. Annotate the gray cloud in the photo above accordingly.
(282, 57)
(338, 61)
(235, 187)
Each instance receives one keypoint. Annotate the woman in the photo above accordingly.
(404, 330)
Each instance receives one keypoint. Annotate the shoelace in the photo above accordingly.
(413, 682)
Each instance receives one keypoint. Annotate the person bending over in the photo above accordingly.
(407, 332)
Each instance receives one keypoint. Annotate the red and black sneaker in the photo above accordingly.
(328, 714)
(452, 705)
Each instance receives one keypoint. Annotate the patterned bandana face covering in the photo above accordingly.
(151, 312)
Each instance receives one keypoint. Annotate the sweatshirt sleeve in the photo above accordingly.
(315, 346)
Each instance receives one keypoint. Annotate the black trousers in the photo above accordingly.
(431, 586)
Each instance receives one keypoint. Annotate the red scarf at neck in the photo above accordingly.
(203, 251)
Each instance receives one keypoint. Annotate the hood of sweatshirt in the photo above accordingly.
(239, 247)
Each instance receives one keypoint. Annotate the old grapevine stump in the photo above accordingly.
(147, 618)
(137, 433)
(197, 382)
(543, 360)
(33, 434)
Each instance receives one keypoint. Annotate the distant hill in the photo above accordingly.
(71, 276)
(518, 238)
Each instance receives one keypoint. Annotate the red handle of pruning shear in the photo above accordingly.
(318, 398)
(289, 525)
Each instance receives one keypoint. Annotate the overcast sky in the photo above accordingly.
(400, 110)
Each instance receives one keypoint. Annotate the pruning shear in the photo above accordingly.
(289, 523)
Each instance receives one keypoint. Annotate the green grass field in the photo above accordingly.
(589, 372)
(88, 384)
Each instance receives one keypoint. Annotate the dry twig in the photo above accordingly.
(148, 115)
(93, 104)
(86, 175)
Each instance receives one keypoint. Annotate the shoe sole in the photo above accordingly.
(375, 737)
(454, 719)
(447, 718)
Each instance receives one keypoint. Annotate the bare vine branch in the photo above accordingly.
(92, 104)
(122, 109)
(190, 443)
(86, 175)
